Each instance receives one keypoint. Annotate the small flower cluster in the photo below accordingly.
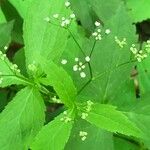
(120, 43)
(66, 119)
(83, 135)
(32, 67)
(64, 21)
(64, 61)
(56, 100)
(14, 68)
(141, 54)
(97, 34)
(5, 48)
(80, 66)
(88, 109)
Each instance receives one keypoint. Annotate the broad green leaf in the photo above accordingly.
(108, 118)
(54, 135)
(22, 118)
(41, 37)
(8, 74)
(139, 9)
(110, 64)
(96, 138)
(5, 33)
(61, 81)
(21, 6)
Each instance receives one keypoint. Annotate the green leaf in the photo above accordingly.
(2, 16)
(22, 118)
(110, 64)
(41, 37)
(10, 75)
(5, 33)
(105, 10)
(96, 137)
(11, 14)
(142, 121)
(122, 144)
(61, 81)
(21, 6)
(144, 76)
(108, 118)
(54, 135)
(139, 9)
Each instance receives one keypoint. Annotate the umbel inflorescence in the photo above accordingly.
(12, 67)
(81, 63)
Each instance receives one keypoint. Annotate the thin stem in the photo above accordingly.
(93, 48)
(107, 71)
(76, 42)
(84, 86)
(131, 61)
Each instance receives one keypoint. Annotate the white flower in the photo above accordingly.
(99, 30)
(75, 68)
(80, 63)
(32, 67)
(72, 16)
(107, 31)
(94, 34)
(97, 24)
(56, 16)
(47, 19)
(82, 75)
(76, 59)
(99, 37)
(83, 66)
(63, 18)
(84, 115)
(5, 47)
(83, 135)
(80, 68)
(67, 3)
(87, 59)
(83, 138)
(64, 61)
(54, 99)
(120, 43)
(67, 21)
